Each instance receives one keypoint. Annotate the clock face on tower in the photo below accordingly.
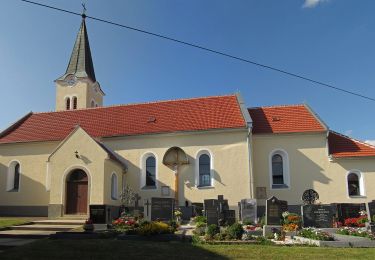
(71, 80)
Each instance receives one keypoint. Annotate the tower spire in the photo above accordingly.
(80, 63)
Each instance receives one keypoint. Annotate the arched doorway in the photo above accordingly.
(77, 192)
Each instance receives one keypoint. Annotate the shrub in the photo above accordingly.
(202, 219)
(200, 229)
(315, 234)
(212, 230)
(154, 228)
(262, 221)
(247, 222)
(235, 231)
(373, 218)
(173, 224)
(200, 224)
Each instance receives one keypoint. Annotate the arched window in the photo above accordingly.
(114, 185)
(14, 172)
(151, 171)
(75, 102)
(92, 103)
(279, 169)
(67, 102)
(204, 170)
(355, 183)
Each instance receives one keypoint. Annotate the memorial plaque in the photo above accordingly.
(248, 210)
(349, 210)
(371, 209)
(162, 209)
(319, 216)
(274, 210)
(98, 214)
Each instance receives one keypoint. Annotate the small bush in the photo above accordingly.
(173, 224)
(247, 222)
(262, 221)
(202, 219)
(212, 230)
(200, 229)
(235, 231)
(154, 228)
(200, 224)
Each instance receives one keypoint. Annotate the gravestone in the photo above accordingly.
(198, 209)
(248, 210)
(230, 217)
(211, 211)
(98, 214)
(371, 209)
(274, 210)
(349, 210)
(223, 206)
(319, 216)
(162, 209)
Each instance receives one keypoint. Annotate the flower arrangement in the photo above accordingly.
(359, 232)
(356, 222)
(291, 221)
(315, 234)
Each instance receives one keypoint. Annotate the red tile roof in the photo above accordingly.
(343, 146)
(285, 119)
(157, 117)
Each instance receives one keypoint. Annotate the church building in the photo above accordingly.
(84, 154)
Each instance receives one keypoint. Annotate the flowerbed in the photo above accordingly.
(358, 232)
(133, 226)
(315, 234)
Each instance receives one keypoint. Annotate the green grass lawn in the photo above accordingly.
(117, 249)
(7, 222)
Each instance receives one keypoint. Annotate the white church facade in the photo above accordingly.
(59, 163)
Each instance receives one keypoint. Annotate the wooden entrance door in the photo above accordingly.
(76, 193)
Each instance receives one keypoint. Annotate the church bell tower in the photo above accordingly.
(78, 88)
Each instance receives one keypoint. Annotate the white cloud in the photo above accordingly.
(372, 142)
(312, 3)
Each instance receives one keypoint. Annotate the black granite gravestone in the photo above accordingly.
(248, 210)
(349, 210)
(230, 217)
(274, 210)
(319, 216)
(211, 211)
(162, 209)
(98, 214)
(371, 208)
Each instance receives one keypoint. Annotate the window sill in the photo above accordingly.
(279, 186)
(358, 197)
(149, 188)
(204, 187)
(12, 190)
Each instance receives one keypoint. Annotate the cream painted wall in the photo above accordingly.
(230, 164)
(84, 91)
(309, 168)
(32, 158)
(63, 161)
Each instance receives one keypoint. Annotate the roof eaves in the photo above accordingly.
(15, 124)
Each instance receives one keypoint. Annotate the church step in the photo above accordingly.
(45, 227)
(60, 222)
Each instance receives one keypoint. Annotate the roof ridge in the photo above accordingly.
(276, 106)
(135, 104)
(353, 139)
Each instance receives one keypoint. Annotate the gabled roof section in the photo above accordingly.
(111, 154)
(285, 119)
(341, 146)
(80, 63)
(196, 114)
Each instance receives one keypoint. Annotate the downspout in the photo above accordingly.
(249, 147)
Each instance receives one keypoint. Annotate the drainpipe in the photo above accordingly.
(249, 147)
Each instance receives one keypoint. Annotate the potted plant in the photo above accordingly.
(88, 226)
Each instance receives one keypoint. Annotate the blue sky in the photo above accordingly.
(329, 40)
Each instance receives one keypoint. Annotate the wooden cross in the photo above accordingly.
(147, 203)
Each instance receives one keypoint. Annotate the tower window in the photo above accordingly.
(67, 102)
(74, 102)
(92, 103)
